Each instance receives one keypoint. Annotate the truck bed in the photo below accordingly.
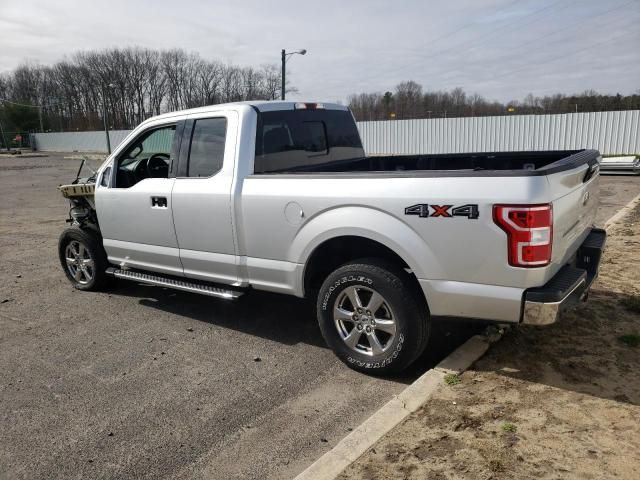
(489, 163)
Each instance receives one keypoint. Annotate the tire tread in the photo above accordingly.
(400, 281)
(94, 243)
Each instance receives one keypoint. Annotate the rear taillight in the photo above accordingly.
(529, 231)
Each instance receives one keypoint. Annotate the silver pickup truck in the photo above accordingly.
(280, 196)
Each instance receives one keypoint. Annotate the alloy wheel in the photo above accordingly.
(79, 262)
(364, 320)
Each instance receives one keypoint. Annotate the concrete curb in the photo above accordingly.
(620, 214)
(350, 448)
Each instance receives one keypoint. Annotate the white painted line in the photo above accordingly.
(23, 155)
(620, 214)
(350, 448)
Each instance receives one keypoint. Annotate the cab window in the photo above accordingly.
(149, 156)
(206, 152)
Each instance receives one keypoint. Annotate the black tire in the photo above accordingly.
(403, 306)
(94, 278)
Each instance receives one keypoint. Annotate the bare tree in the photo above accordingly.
(136, 83)
(409, 101)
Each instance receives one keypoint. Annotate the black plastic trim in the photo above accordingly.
(175, 150)
(590, 252)
(185, 142)
(574, 160)
(573, 279)
(562, 284)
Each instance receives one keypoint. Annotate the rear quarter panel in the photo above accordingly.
(373, 206)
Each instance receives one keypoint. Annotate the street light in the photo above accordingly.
(104, 115)
(285, 56)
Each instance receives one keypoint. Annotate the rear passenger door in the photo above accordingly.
(201, 198)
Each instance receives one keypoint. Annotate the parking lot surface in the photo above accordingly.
(145, 382)
(615, 192)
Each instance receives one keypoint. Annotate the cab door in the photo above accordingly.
(201, 198)
(134, 204)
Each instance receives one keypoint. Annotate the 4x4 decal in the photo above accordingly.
(469, 210)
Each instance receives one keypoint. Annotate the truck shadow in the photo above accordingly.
(279, 318)
(592, 350)
(283, 319)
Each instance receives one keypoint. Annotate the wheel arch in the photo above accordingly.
(361, 232)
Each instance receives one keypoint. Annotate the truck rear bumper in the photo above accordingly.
(542, 305)
(450, 300)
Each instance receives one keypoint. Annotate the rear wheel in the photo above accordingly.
(372, 317)
(83, 259)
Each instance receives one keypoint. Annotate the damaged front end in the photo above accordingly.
(80, 193)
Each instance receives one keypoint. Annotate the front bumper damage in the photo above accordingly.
(542, 305)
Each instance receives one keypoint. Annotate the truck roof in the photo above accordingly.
(260, 105)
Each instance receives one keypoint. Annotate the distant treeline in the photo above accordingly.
(132, 83)
(408, 100)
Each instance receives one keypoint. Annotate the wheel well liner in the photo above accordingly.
(337, 251)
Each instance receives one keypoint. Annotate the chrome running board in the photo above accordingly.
(187, 285)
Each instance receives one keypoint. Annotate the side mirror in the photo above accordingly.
(106, 177)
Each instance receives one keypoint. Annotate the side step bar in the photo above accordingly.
(185, 284)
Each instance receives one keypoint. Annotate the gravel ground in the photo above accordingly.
(545, 403)
(144, 382)
(615, 192)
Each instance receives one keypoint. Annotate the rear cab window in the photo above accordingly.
(305, 140)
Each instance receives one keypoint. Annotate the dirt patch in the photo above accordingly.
(555, 402)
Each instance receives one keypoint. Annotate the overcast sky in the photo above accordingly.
(502, 49)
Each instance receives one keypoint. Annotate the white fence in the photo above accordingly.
(610, 132)
(78, 141)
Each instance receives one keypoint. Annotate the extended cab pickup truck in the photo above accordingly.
(280, 196)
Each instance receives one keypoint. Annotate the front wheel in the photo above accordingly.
(83, 259)
(372, 317)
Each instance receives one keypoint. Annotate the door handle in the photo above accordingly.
(158, 202)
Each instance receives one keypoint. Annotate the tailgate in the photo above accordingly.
(575, 196)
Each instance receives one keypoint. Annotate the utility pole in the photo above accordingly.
(284, 61)
(4, 140)
(106, 125)
(104, 118)
(40, 117)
